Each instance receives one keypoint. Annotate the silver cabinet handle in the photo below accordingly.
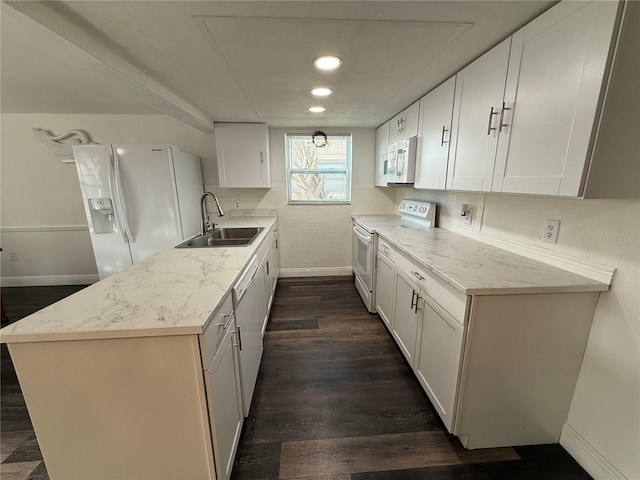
(418, 298)
(239, 338)
(442, 140)
(489, 127)
(502, 124)
(227, 320)
(413, 298)
(417, 275)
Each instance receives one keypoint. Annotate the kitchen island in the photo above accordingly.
(135, 376)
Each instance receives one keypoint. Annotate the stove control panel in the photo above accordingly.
(416, 208)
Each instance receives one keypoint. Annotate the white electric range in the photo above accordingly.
(413, 214)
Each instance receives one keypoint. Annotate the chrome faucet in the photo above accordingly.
(205, 225)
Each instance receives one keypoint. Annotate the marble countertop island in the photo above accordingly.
(474, 267)
(171, 293)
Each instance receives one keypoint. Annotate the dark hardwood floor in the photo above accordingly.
(334, 401)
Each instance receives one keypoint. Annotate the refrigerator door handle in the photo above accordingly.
(116, 206)
(119, 202)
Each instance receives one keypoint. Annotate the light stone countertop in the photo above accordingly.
(171, 293)
(473, 267)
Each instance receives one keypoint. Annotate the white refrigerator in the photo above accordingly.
(139, 200)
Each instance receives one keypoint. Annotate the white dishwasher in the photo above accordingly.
(248, 304)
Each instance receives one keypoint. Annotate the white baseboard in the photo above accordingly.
(48, 280)
(587, 456)
(315, 272)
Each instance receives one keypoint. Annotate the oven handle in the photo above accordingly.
(364, 238)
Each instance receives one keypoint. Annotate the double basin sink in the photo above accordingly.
(224, 237)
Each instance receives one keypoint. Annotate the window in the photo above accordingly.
(318, 174)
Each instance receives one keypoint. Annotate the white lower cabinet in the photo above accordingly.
(385, 289)
(406, 316)
(500, 369)
(274, 263)
(224, 395)
(267, 288)
(269, 254)
(438, 359)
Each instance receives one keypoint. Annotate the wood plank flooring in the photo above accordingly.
(334, 401)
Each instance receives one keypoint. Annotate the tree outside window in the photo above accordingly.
(318, 174)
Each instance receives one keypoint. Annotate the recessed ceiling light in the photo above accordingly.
(317, 109)
(321, 92)
(327, 62)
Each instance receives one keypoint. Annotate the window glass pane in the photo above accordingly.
(318, 187)
(319, 174)
(304, 154)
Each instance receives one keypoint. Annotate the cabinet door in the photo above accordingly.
(405, 124)
(556, 69)
(385, 290)
(410, 120)
(405, 318)
(225, 405)
(382, 143)
(474, 130)
(395, 128)
(267, 289)
(436, 109)
(274, 259)
(438, 358)
(243, 155)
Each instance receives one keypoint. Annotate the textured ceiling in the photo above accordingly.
(208, 61)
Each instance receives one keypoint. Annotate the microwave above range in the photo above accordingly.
(400, 165)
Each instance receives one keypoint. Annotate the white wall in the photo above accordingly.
(41, 215)
(43, 222)
(315, 239)
(605, 411)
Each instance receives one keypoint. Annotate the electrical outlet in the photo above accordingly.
(465, 213)
(13, 256)
(550, 233)
(236, 204)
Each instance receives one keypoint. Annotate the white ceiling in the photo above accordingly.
(206, 61)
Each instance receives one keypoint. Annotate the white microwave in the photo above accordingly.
(400, 166)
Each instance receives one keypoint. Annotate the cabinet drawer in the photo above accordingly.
(386, 249)
(448, 297)
(214, 332)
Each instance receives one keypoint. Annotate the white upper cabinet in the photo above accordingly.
(243, 155)
(405, 124)
(436, 109)
(382, 144)
(556, 69)
(476, 116)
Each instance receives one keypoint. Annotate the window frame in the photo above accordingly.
(348, 170)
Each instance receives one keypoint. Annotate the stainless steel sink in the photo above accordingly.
(224, 237)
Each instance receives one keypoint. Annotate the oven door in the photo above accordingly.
(363, 253)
